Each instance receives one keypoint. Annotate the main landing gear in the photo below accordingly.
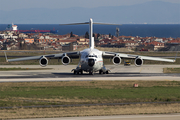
(101, 72)
(80, 72)
(77, 72)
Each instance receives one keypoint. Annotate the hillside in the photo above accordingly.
(154, 12)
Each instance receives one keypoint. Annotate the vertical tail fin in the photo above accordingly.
(91, 43)
(91, 38)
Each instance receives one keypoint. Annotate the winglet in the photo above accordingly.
(5, 56)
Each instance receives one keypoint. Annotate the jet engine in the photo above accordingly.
(116, 60)
(138, 62)
(65, 60)
(43, 61)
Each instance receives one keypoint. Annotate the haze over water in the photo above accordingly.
(142, 30)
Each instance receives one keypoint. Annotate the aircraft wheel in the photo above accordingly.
(91, 73)
(81, 72)
(107, 72)
(100, 71)
(75, 72)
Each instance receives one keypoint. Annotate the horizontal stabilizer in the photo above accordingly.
(106, 24)
(76, 23)
(88, 23)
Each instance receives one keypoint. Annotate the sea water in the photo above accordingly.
(142, 30)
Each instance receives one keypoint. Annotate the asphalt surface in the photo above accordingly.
(63, 73)
(70, 75)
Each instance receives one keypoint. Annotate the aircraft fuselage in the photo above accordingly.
(91, 60)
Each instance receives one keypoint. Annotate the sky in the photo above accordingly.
(8, 5)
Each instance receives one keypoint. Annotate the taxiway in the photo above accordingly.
(63, 73)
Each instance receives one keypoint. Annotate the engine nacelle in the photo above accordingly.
(43, 61)
(138, 62)
(116, 60)
(65, 60)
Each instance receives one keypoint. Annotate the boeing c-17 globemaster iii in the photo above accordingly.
(91, 59)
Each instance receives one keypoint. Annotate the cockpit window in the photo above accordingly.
(91, 56)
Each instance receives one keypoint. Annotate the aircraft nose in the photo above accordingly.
(91, 62)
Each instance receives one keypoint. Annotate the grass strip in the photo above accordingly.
(23, 113)
(86, 92)
(171, 70)
(83, 92)
(19, 68)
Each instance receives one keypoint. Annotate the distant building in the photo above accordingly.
(29, 40)
(156, 45)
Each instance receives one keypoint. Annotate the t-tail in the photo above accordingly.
(91, 38)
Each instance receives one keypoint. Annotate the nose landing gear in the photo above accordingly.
(91, 73)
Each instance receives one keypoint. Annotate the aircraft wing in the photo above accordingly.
(121, 55)
(70, 54)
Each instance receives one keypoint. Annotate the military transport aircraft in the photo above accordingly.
(91, 59)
